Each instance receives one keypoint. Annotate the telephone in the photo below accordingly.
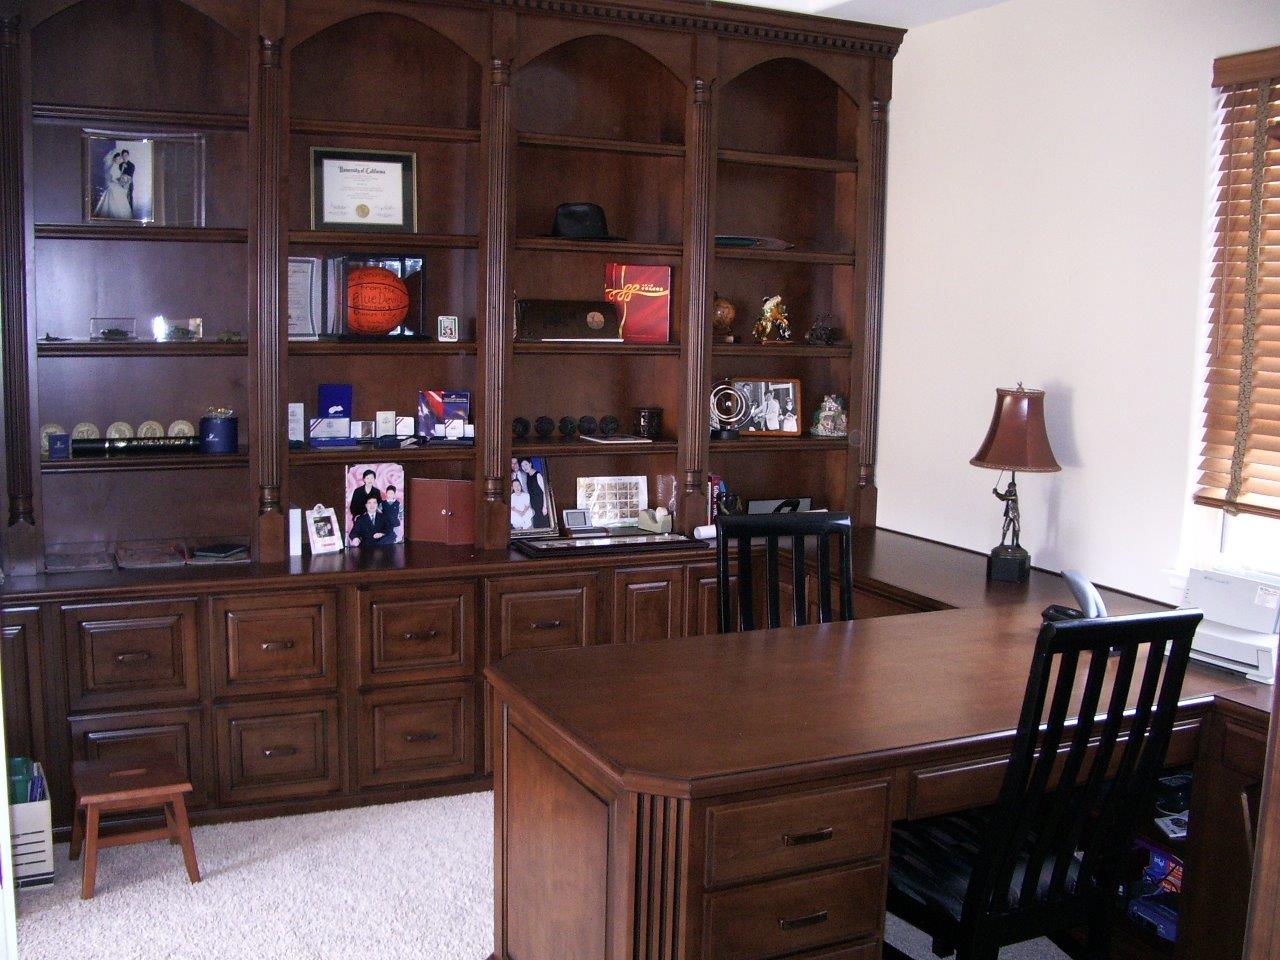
(1090, 604)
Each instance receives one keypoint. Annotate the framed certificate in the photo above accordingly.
(364, 190)
(305, 298)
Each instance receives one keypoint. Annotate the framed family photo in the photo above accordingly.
(132, 178)
(376, 504)
(772, 406)
(533, 505)
(374, 190)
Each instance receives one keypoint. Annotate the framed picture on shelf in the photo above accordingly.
(533, 505)
(152, 179)
(376, 504)
(365, 190)
(773, 406)
(306, 298)
(613, 501)
(323, 530)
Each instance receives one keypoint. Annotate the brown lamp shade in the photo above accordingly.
(1016, 439)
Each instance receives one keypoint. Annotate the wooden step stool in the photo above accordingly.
(128, 783)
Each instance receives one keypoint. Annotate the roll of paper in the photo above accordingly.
(707, 532)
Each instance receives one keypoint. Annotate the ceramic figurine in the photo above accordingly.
(830, 419)
(722, 316)
(822, 333)
(773, 323)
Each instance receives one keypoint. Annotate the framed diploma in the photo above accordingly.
(306, 311)
(364, 190)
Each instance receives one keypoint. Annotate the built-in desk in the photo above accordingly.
(730, 798)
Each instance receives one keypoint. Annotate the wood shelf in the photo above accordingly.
(784, 256)
(790, 161)
(140, 348)
(599, 349)
(364, 348)
(577, 447)
(746, 444)
(639, 147)
(110, 231)
(622, 248)
(384, 131)
(384, 241)
(776, 350)
(367, 453)
(76, 113)
(190, 461)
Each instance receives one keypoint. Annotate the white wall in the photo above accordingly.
(1048, 173)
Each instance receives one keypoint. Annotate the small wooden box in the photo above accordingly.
(442, 511)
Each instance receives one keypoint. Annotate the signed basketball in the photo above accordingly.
(377, 301)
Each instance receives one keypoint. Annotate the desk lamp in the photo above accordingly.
(1016, 440)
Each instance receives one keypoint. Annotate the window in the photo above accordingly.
(1240, 460)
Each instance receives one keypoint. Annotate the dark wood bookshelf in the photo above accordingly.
(140, 348)
(384, 241)
(577, 447)
(192, 461)
(83, 113)
(369, 454)
(600, 144)
(142, 232)
(384, 131)
(619, 248)
(787, 160)
(597, 349)
(747, 444)
(794, 349)
(410, 347)
(785, 256)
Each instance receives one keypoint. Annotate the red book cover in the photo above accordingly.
(642, 293)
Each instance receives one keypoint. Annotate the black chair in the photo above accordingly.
(772, 527)
(1049, 855)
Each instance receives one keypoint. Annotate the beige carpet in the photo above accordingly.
(405, 881)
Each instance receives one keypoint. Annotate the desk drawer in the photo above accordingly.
(277, 750)
(1244, 750)
(417, 633)
(131, 654)
(416, 734)
(760, 838)
(275, 643)
(541, 613)
(785, 916)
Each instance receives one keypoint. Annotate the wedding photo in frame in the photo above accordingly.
(143, 178)
(773, 406)
(374, 191)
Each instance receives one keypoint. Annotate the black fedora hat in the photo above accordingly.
(581, 221)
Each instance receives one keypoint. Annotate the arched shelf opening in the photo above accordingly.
(788, 107)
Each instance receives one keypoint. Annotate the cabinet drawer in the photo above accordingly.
(412, 734)
(1244, 750)
(784, 916)
(759, 838)
(542, 612)
(127, 654)
(274, 643)
(648, 604)
(179, 734)
(417, 633)
(277, 750)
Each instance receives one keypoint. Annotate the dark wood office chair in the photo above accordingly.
(773, 527)
(1047, 857)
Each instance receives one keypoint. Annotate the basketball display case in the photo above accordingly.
(376, 297)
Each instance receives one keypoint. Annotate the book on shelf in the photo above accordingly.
(228, 552)
(146, 554)
(642, 294)
(74, 557)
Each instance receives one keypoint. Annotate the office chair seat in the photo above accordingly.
(933, 860)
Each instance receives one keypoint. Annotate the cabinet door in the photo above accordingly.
(277, 750)
(701, 617)
(541, 612)
(131, 654)
(648, 603)
(417, 734)
(274, 643)
(20, 672)
(179, 734)
(417, 633)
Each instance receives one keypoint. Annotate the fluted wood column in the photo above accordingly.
(496, 346)
(700, 151)
(266, 259)
(872, 254)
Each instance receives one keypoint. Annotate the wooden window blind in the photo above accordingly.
(1240, 459)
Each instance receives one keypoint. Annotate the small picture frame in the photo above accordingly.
(772, 406)
(143, 178)
(533, 503)
(306, 297)
(364, 190)
(613, 501)
(447, 329)
(323, 530)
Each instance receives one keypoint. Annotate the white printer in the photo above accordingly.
(1241, 617)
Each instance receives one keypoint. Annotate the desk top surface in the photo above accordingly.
(711, 714)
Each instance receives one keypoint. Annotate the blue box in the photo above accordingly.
(59, 446)
(334, 401)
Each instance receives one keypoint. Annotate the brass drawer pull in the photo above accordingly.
(280, 751)
(545, 624)
(133, 656)
(801, 839)
(278, 645)
(809, 920)
(413, 635)
(421, 737)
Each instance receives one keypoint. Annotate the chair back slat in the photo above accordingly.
(742, 531)
(1071, 791)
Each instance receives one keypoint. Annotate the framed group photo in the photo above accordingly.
(772, 406)
(376, 504)
(533, 505)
